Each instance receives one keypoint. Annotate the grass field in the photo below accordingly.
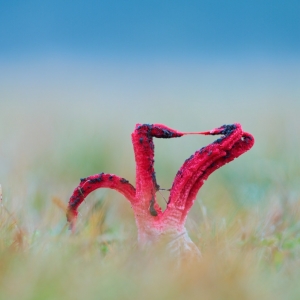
(246, 219)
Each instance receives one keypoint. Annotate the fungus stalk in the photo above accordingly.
(155, 225)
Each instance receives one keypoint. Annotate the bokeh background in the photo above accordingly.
(75, 78)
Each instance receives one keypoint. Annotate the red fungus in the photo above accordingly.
(153, 223)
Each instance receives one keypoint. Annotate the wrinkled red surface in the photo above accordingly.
(189, 179)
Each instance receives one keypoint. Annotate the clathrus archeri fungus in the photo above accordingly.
(153, 224)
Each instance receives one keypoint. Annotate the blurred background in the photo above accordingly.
(76, 76)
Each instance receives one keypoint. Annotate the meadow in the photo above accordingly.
(59, 127)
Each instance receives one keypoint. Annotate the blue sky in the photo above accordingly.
(145, 28)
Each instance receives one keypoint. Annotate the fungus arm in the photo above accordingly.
(91, 183)
(142, 140)
(205, 161)
(240, 147)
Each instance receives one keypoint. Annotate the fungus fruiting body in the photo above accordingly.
(154, 224)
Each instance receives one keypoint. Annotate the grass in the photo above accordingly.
(246, 219)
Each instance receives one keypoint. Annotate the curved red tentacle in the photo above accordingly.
(240, 147)
(205, 161)
(91, 183)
